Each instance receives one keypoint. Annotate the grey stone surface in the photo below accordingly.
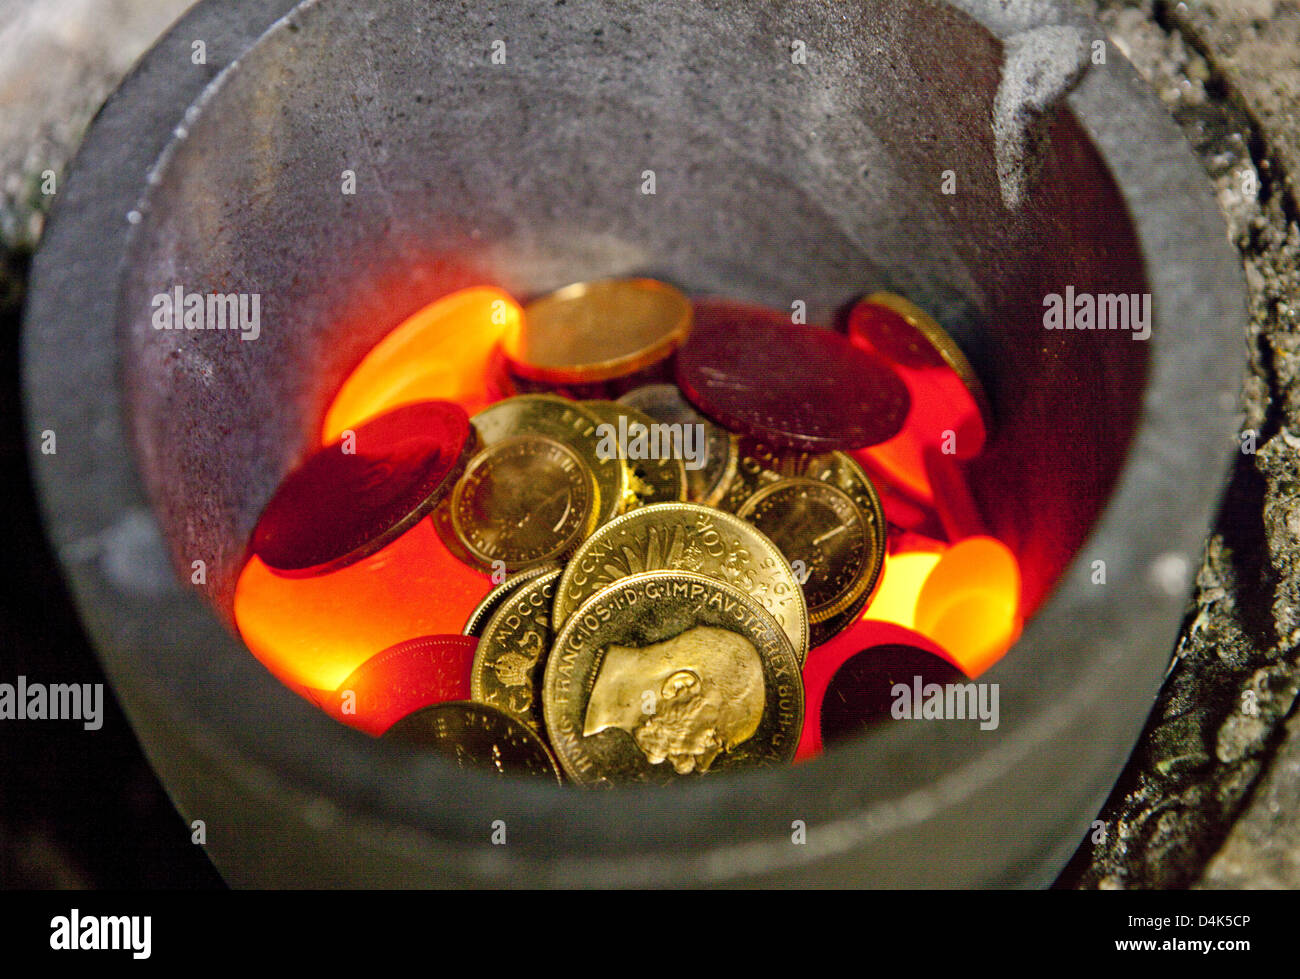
(1218, 759)
(1263, 848)
(60, 60)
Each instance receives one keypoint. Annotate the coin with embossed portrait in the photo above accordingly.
(669, 675)
(687, 537)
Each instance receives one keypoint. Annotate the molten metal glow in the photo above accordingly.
(314, 632)
(945, 412)
(867, 636)
(440, 353)
(900, 583)
(970, 603)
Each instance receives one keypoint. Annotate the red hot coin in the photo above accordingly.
(401, 680)
(949, 417)
(946, 393)
(349, 499)
(848, 680)
(800, 387)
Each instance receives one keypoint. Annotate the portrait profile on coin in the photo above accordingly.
(684, 700)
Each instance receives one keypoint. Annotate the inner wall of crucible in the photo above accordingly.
(773, 182)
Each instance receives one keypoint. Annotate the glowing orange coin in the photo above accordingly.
(403, 679)
(443, 352)
(313, 632)
(790, 385)
(970, 603)
(900, 585)
(948, 419)
(848, 682)
(348, 500)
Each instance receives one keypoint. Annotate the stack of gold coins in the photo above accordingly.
(670, 501)
(660, 579)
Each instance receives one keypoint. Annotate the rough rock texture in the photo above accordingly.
(60, 61)
(1204, 799)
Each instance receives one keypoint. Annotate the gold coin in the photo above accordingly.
(511, 653)
(668, 675)
(564, 421)
(497, 597)
(943, 344)
(758, 465)
(706, 478)
(841, 471)
(475, 736)
(523, 501)
(828, 629)
(651, 452)
(761, 465)
(686, 537)
(829, 542)
(597, 331)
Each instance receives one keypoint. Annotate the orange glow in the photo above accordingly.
(314, 632)
(948, 408)
(956, 507)
(898, 461)
(970, 603)
(440, 353)
(903, 460)
(900, 584)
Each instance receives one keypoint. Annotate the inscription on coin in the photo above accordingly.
(494, 599)
(478, 737)
(564, 421)
(820, 526)
(671, 674)
(687, 537)
(655, 462)
(704, 483)
(511, 655)
(762, 465)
